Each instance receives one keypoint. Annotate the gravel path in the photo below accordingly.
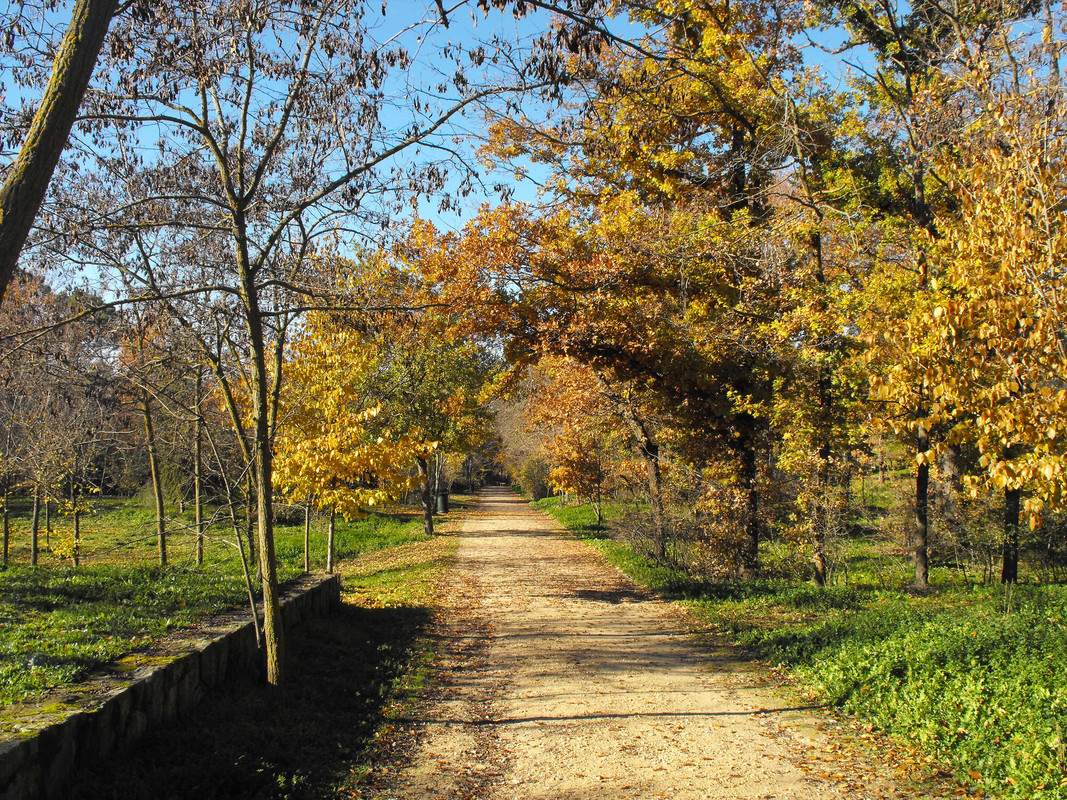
(560, 680)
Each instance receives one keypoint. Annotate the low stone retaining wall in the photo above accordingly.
(40, 746)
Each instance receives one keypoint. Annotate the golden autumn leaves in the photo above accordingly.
(771, 269)
(329, 450)
(373, 390)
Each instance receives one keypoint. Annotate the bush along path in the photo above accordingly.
(558, 678)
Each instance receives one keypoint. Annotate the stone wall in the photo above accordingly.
(41, 745)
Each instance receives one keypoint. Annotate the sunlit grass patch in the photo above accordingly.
(59, 623)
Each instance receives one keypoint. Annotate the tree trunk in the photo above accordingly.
(750, 565)
(47, 521)
(436, 477)
(821, 515)
(650, 453)
(250, 528)
(330, 540)
(7, 525)
(198, 502)
(239, 538)
(951, 489)
(198, 471)
(922, 513)
(262, 456)
(821, 512)
(307, 534)
(35, 522)
(427, 495)
(27, 182)
(157, 478)
(1009, 572)
(273, 633)
(76, 556)
(819, 556)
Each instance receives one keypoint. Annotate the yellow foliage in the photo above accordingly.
(1002, 258)
(326, 449)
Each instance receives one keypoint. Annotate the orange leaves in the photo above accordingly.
(583, 445)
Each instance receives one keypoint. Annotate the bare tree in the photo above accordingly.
(230, 152)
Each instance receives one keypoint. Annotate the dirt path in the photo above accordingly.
(561, 681)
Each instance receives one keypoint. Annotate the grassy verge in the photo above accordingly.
(971, 675)
(350, 677)
(58, 622)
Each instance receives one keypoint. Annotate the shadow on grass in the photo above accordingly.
(595, 532)
(305, 741)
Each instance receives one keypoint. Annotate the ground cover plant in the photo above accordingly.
(967, 673)
(60, 621)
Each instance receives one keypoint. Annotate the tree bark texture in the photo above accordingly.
(648, 449)
(922, 514)
(7, 527)
(250, 526)
(26, 184)
(273, 633)
(1009, 572)
(262, 458)
(307, 535)
(331, 541)
(649, 452)
(76, 557)
(35, 523)
(198, 476)
(157, 478)
(822, 513)
(427, 495)
(750, 565)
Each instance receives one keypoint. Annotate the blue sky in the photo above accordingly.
(417, 24)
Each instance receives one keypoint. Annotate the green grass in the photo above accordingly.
(58, 622)
(352, 538)
(575, 517)
(351, 681)
(971, 675)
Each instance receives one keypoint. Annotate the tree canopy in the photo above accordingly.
(751, 272)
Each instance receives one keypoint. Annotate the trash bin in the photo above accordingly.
(442, 502)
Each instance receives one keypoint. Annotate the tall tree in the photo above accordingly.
(1000, 257)
(272, 136)
(676, 156)
(911, 116)
(430, 383)
(329, 451)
